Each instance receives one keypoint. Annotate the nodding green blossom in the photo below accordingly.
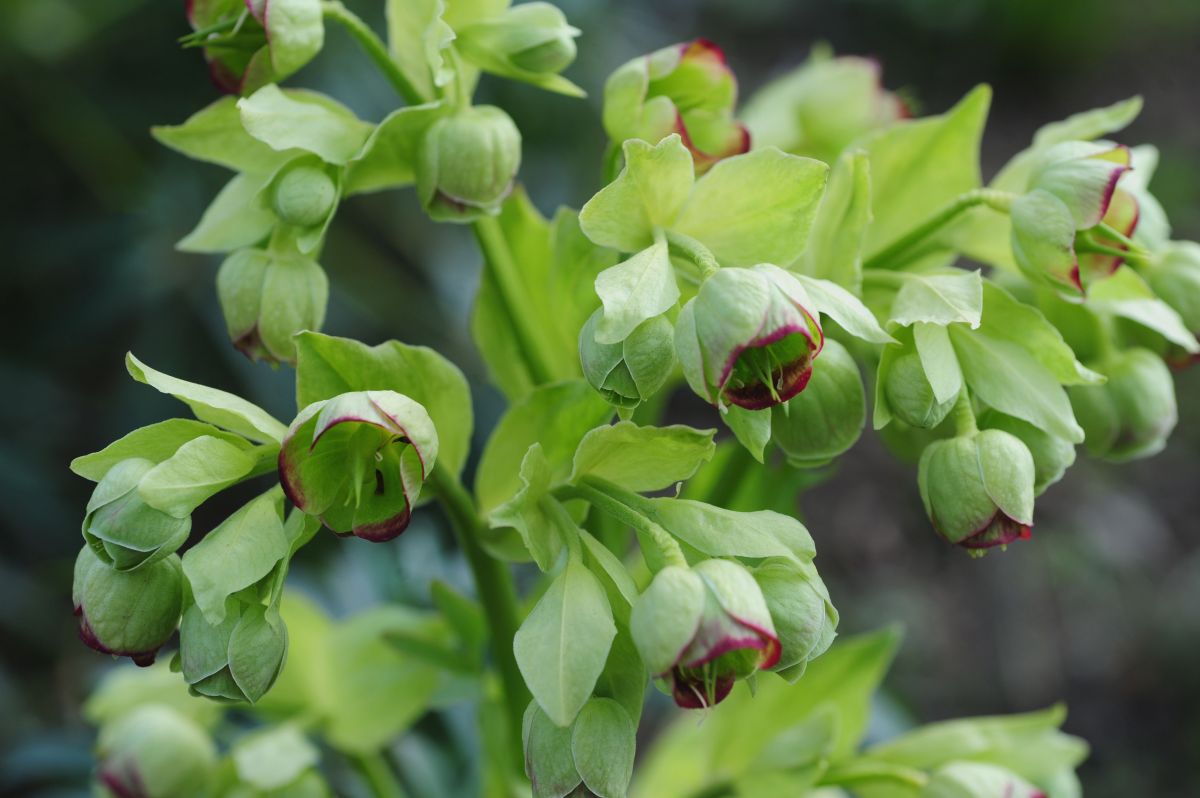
(687, 89)
(746, 338)
(630, 371)
(978, 489)
(268, 296)
(701, 629)
(127, 613)
(468, 163)
(154, 751)
(1132, 414)
(358, 461)
(237, 659)
(827, 418)
(250, 43)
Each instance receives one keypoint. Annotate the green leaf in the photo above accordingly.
(648, 193)
(273, 758)
(642, 459)
(237, 554)
(215, 134)
(940, 299)
(1126, 294)
(200, 468)
(155, 443)
(388, 158)
(526, 511)
(755, 208)
(635, 290)
(563, 644)
(718, 532)
(1008, 378)
(603, 743)
(327, 366)
(257, 648)
(843, 307)
(238, 217)
(209, 404)
(835, 243)
(938, 360)
(1089, 125)
(919, 167)
(752, 428)
(301, 121)
(608, 567)
(417, 35)
(549, 762)
(1007, 319)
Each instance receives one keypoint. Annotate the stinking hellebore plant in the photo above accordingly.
(763, 264)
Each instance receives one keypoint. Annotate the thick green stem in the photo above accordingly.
(964, 415)
(379, 776)
(494, 584)
(902, 250)
(374, 47)
(498, 260)
(623, 506)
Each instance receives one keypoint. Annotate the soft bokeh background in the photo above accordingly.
(1102, 609)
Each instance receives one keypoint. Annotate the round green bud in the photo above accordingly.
(552, 55)
(127, 613)
(238, 657)
(1052, 455)
(467, 164)
(303, 195)
(629, 372)
(804, 617)
(910, 396)
(1132, 415)
(527, 38)
(267, 297)
(827, 418)
(122, 529)
(155, 751)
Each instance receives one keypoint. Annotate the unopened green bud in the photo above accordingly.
(304, 195)
(978, 489)
(804, 617)
(267, 297)
(122, 529)
(629, 372)
(978, 780)
(827, 418)
(237, 659)
(531, 37)
(127, 613)
(910, 396)
(467, 164)
(1132, 415)
(155, 751)
(1052, 455)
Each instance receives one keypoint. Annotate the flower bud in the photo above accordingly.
(910, 396)
(804, 617)
(1052, 456)
(358, 461)
(978, 780)
(978, 489)
(124, 531)
(246, 51)
(686, 89)
(467, 164)
(127, 613)
(267, 297)
(303, 195)
(531, 37)
(746, 339)
(239, 658)
(825, 420)
(701, 629)
(1175, 278)
(1133, 413)
(629, 372)
(154, 751)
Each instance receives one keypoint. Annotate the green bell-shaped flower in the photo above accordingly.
(358, 461)
(978, 489)
(629, 372)
(127, 613)
(467, 164)
(1133, 413)
(122, 529)
(237, 659)
(267, 297)
(826, 419)
(154, 751)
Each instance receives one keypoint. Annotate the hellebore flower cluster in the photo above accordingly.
(358, 461)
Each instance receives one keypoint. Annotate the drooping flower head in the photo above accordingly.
(154, 751)
(748, 338)
(467, 164)
(1132, 414)
(267, 297)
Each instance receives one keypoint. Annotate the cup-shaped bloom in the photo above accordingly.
(701, 629)
(528, 38)
(911, 397)
(747, 339)
(154, 751)
(827, 418)
(978, 780)
(1132, 414)
(978, 489)
(127, 613)
(633, 370)
(237, 659)
(1175, 277)
(250, 43)
(358, 461)
(467, 164)
(267, 297)
(304, 193)
(1071, 189)
(804, 617)
(122, 529)
(687, 89)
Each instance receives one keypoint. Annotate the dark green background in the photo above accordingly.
(1102, 609)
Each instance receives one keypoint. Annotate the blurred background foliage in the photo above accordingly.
(1101, 609)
